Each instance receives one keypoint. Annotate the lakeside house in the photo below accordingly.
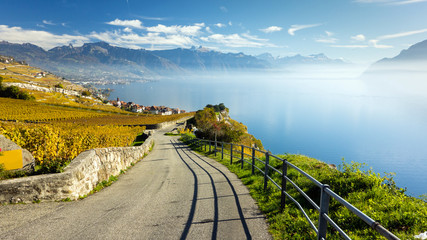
(133, 107)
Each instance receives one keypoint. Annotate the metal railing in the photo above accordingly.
(326, 193)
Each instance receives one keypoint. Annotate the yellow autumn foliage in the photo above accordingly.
(63, 142)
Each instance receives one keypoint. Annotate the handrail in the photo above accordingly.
(326, 192)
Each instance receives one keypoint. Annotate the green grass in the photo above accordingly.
(139, 140)
(112, 178)
(172, 134)
(6, 174)
(376, 196)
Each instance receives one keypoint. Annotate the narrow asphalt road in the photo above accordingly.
(173, 193)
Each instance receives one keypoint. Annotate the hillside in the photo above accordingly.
(102, 63)
(47, 87)
(65, 119)
(214, 123)
(56, 134)
(317, 59)
(409, 61)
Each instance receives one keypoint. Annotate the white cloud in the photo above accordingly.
(236, 41)
(126, 23)
(192, 30)
(402, 34)
(391, 2)
(326, 40)
(295, 28)
(220, 25)
(271, 29)
(359, 38)
(43, 39)
(48, 22)
(408, 2)
(230, 23)
(151, 40)
(127, 30)
(223, 9)
(208, 29)
(152, 18)
(350, 46)
(374, 43)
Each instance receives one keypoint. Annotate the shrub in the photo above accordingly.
(86, 93)
(14, 92)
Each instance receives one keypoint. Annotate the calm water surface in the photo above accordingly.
(369, 122)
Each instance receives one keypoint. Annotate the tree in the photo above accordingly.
(217, 108)
(1, 85)
(14, 92)
(86, 93)
(210, 128)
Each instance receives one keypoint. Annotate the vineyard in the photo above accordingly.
(30, 111)
(55, 145)
(57, 134)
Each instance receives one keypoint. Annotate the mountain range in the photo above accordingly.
(103, 62)
(409, 61)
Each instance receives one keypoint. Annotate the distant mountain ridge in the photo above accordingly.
(101, 61)
(413, 59)
(299, 59)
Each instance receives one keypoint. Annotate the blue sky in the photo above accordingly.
(361, 31)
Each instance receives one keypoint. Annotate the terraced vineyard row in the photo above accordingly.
(54, 145)
(20, 110)
(57, 134)
(125, 120)
(30, 111)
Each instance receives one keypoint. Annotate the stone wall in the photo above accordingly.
(79, 177)
(27, 159)
(167, 124)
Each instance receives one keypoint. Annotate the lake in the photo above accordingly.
(324, 116)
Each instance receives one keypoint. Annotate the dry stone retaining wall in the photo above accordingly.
(79, 177)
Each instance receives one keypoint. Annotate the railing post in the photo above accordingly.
(231, 153)
(253, 160)
(267, 162)
(222, 150)
(324, 209)
(215, 148)
(242, 156)
(284, 175)
(210, 146)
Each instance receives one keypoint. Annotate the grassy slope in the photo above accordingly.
(377, 197)
(57, 127)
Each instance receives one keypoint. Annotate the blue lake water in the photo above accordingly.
(380, 124)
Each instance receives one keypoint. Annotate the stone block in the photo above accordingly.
(28, 162)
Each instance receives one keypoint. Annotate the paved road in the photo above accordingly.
(173, 193)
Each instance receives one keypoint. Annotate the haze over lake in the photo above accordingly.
(316, 112)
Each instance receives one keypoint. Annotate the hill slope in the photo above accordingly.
(410, 61)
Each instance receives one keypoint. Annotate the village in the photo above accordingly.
(96, 93)
(133, 107)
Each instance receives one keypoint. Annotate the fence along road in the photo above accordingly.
(173, 193)
(326, 192)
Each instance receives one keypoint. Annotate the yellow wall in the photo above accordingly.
(11, 159)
